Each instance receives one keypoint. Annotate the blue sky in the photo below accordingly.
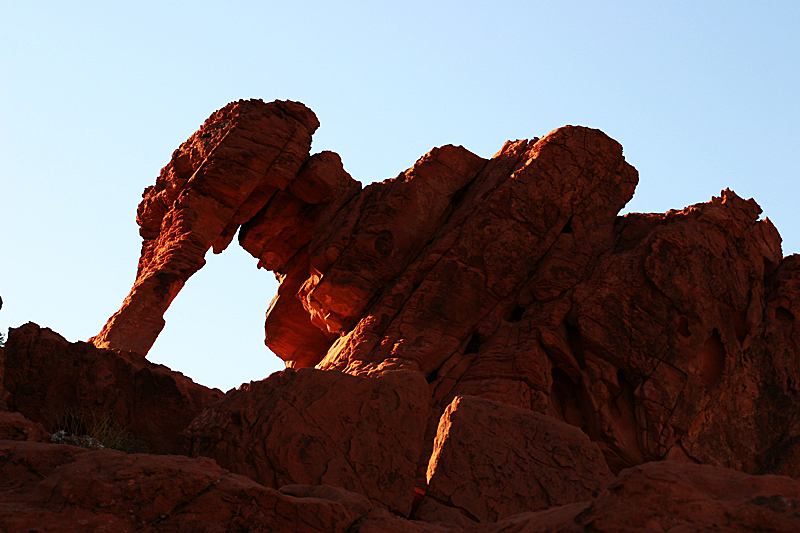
(95, 97)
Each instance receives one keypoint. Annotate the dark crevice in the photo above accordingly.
(450, 504)
(576, 344)
(712, 360)
(179, 507)
(419, 496)
(473, 345)
(783, 315)
(567, 227)
(458, 198)
(683, 327)
(769, 268)
(740, 326)
(622, 407)
(516, 314)
(567, 399)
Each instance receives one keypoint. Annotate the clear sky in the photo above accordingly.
(95, 96)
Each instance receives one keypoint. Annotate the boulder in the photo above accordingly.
(315, 427)
(14, 426)
(491, 461)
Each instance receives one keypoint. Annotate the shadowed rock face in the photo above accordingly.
(74, 490)
(322, 428)
(492, 343)
(58, 383)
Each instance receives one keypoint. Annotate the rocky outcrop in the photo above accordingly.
(238, 167)
(56, 383)
(492, 342)
(74, 490)
(670, 496)
(322, 428)
(14, 426)
(515, 460)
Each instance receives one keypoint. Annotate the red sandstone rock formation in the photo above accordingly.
(49, 380)
(69, 489)
(14, 426)
(492, 342)
(669, 496)
(239, 165)
(552, 462)
(322, 428)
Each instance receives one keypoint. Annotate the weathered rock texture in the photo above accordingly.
(492, 461)
(567, 340)
(322, 428)
(14, 426)
(52, 382)
(669, 496)
(67, 489)
(240, 166)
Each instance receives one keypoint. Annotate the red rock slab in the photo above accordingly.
(317, 427)
(382, 521)
(53, 487)
(491, 461)
(14, 426)
(676, 341)
(670, 496)
(217, 180)
(48, 378)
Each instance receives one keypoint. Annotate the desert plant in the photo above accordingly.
(75, 427)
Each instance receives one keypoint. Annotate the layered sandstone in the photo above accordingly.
(496, 349)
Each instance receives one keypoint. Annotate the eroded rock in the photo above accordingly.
(491, 461)
(224, 175)
(14, 426)
(669, 496)
(52, 381)
(64, 488)
(658, 336)
(315, 427)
